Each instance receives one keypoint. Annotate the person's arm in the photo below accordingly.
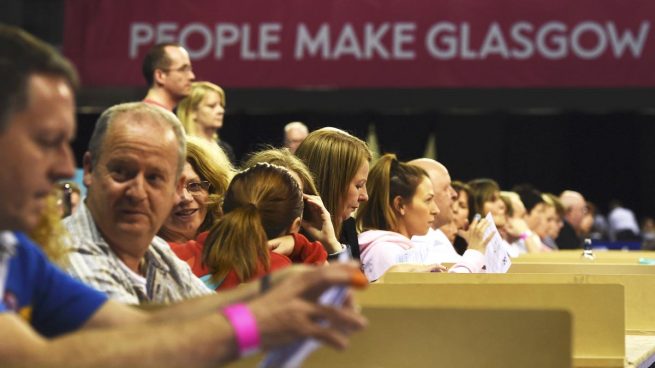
(128, 345)
(311, 253)
(208, 341)
(519, 229)
(411, 267)
(286, 313)
(381, 258)
(207, 304)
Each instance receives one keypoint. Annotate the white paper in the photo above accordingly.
(497, 259)
(293, 355)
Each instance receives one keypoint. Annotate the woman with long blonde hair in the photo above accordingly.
(339, 163)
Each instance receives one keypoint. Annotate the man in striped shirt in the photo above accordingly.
(132, 170)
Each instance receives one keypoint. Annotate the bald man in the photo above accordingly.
(575, 208)
(294, 133)
(444, 196)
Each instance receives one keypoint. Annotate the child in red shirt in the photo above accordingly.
(261, 203)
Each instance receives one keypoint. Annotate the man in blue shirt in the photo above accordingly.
(47, 319)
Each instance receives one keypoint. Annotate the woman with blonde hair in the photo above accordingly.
(339, 163)
(202, 113)
(207, 173)
(262, 202)
(50, 234)
(401, 205)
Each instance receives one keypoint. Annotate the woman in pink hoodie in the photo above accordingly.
(400, 206)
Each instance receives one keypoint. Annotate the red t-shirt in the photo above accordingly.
(304, 251)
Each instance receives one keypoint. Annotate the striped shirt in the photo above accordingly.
(91, 260)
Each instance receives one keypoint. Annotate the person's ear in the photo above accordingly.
(399, 205)
(159, 76)
(88, 169)
(295, 226)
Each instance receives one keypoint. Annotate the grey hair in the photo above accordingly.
(137, 108)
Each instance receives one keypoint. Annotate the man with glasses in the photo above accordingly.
(168, 72)
(132, 171)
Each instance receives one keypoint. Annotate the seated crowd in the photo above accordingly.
(232, 226)
(168, 220)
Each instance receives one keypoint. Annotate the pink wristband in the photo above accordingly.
(245, 328)
(525, 235)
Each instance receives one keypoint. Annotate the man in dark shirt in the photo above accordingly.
(575, 208)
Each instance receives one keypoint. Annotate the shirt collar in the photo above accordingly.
(150, 257)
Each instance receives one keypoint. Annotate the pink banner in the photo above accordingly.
(384, 43)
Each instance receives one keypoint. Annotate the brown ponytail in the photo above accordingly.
(387, 179)
(261, 203)
(237, 242)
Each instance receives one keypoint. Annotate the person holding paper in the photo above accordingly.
(445, 197)
(401, 204)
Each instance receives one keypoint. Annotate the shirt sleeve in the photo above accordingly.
(307, 252)
(58, 303)
(472, 262)
(379, 259)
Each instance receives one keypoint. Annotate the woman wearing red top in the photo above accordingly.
(261, 203)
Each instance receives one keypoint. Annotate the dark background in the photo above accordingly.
(596, 141)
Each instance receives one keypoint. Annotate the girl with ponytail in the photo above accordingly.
(261, 203)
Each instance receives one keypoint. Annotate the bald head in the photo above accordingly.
(294, 133)
(444, 194)
(575, 207)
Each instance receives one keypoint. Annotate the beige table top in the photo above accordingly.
(639, 350)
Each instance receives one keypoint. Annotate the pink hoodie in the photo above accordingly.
(382, 249)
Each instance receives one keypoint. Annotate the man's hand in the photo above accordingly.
(289, 311)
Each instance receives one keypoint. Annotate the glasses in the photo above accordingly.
(198, 187)
(182, 69)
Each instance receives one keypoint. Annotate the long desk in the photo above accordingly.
(598, 309)
(639, 310)
(602, 257)
(583, 268)
(441, 337)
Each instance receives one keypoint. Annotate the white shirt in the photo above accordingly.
(442, 250)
